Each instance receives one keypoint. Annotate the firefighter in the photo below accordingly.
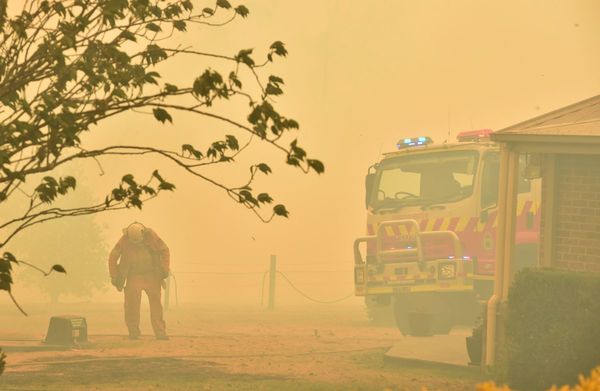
(144, 264)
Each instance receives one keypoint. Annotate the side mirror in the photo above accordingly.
(369, 181)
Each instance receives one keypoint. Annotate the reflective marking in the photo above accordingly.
(520, 207)
(535, 207)
(406, 233)
(445, 224)
(462, 224)
(480, 226)
(430, 224)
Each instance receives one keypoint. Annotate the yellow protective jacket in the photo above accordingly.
(151, 255)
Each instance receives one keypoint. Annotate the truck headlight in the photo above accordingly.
(446, 271)
(359, 275)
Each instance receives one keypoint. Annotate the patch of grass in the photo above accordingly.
(149, 374)
(359, 371)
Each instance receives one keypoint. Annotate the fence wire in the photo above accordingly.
(311, 298)
(265, 273)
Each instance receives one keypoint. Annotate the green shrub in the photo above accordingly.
(552, 328)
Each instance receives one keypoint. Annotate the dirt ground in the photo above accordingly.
(295, 348)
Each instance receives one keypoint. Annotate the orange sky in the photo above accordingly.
(359, 76)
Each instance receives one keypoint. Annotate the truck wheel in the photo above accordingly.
(420, 315)
(379, 310)
(401, 310)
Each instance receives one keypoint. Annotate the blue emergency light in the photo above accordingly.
(413, 142)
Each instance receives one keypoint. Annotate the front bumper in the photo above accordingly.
(441, 275)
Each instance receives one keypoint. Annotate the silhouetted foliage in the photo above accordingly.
(2, 362)
(76, 244)
(66, 66)
(551, 323)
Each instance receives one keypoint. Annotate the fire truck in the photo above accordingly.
(428, 257)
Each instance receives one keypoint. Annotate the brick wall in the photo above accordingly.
(576, 239)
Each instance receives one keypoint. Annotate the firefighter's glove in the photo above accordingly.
(116, 284)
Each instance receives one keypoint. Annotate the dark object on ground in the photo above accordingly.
(474, 349)
(551, 328)
(162, 338)
(475, 342)
(67, 330)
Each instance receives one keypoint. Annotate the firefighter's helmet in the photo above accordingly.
(135, 232)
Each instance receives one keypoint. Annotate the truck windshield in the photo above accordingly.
(424, 178)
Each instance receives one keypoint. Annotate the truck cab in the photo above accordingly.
(431, 228)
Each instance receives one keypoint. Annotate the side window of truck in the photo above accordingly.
(524, 183)
(491, 173)
(489, 179)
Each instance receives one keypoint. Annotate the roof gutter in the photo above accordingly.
(548, 139)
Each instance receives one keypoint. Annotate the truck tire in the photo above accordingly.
(430, 313)
(379, 310)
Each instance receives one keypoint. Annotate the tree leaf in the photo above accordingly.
(128, 35)
(59, 8)
(156, 175)
(166, 186)
(136, 202)
(316, 165)
(244, 57)
(264, 198)
(59, 268)
(290, 124)
(210, 81)
(5, 266)
(162, 115)
(273, 89)
(156, 11)
(171, 88)
(9, 257)
(275, 79)
(153, 27)
(223, 4)
(242, 11)
(50, 181)
(292, 161)
(232, 142)
(129, 180)
(68, 182)
(180, 25)
(280, 210)
(264, 168)
(234, 79)
(278, 48)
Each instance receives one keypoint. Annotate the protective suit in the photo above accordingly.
(144, 264)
